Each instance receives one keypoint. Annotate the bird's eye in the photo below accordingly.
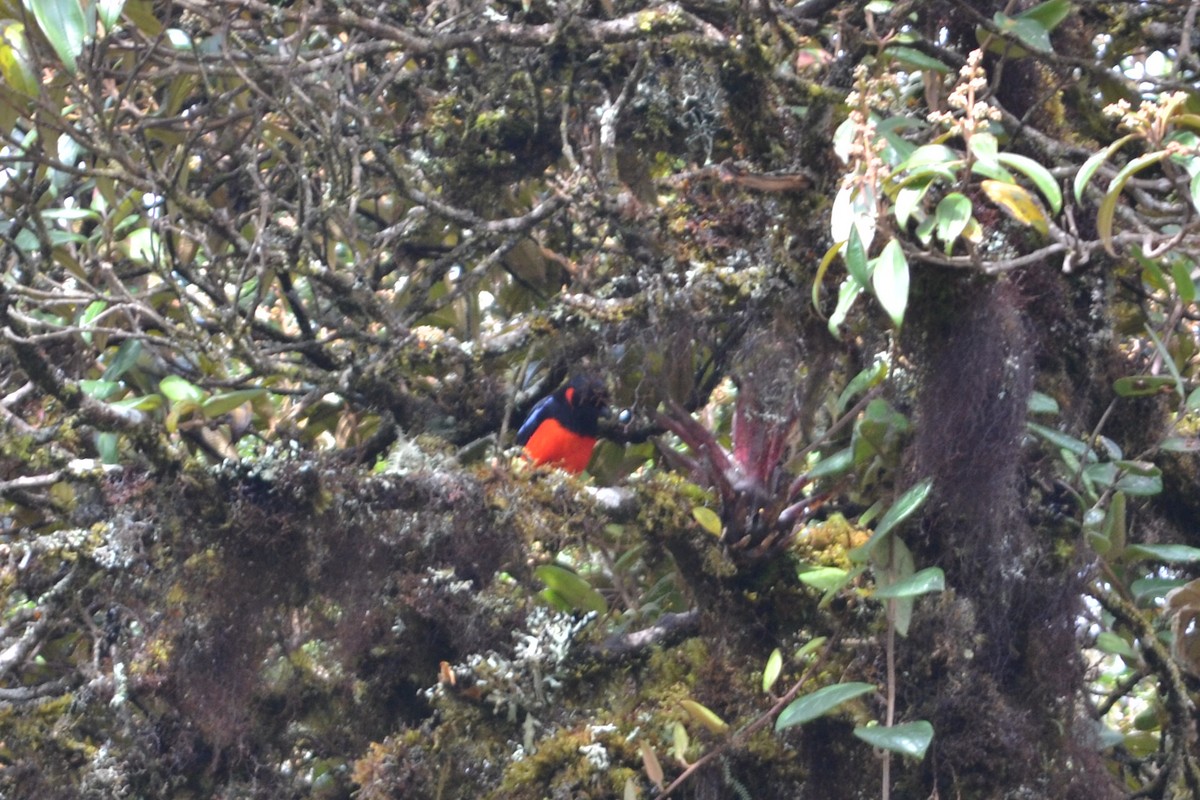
(625, 417)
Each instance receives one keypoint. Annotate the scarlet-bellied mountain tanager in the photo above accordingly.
(563, 427)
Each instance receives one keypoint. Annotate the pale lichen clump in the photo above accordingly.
(266, 465)
(529, 677)
(408, 457)
(121, 542)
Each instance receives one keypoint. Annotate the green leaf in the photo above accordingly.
(823, 579)
(1048, 14)
(952, 215)
(1168, 360)
(901, 510)
(16, 63)
(1111, 448)
(1038, 175)
(680, 741)
(993, 170)
(1141, 744)
(927, 174)
(178, 410)
(1148, 720)
(819, 703)
(94, 309)
(889, 279)
(931, 154)
(845, 139)
(985, 148)
(64, 25)
(1140, 485)
(108, 447)
(1084, 176)
(856, 257)
(1027, 30)
(28, 242)
(180, 40)
(1181, 273)
(1142, 385)
(930, 579)
(149, 402)
(1193, 400)
(854, 208)
(1180, 444)
(1059, 439)
(1104, 473)
(1040, 403)
(71, 215)
(1148, 591)
(875, 429)
(866, 379)
(1140, 479)
(143, 245)
(924, 231)
(571, 588)
(893, 131)
(894, 564)
(810, 647)
(1152, 274)
(705, 716)
(101, 390)
(837, 464)
(1093, 530)
(772, 670)
(908, 201)
(127, 355)
(1109, 642)
(1108, 206)
(110, 12)
(847, 294)
(708, 519)
(225, 402)
(916, 59)
(1114, 522)
(911, 739)
(1167, 553)
(177, 389)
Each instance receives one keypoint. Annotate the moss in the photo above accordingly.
(828, 542)
(556, 763)
(402, 765)
(678, 666)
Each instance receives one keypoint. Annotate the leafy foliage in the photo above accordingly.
(280, 280)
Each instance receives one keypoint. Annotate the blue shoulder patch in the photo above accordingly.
(534, 419)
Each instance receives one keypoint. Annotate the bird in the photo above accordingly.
(563, 427)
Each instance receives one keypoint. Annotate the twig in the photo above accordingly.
(13, 655)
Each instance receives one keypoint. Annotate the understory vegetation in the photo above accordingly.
(897, 303)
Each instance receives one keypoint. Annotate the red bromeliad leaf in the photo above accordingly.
(747, 429)
(761, 504)
(710, 463)
(759, 442)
